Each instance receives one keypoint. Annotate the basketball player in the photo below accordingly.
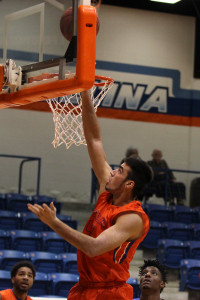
(22, 277)
(153, 277)
(116, 227)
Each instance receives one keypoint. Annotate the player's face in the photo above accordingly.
(23, 279)
(117, 178)
(151, 280)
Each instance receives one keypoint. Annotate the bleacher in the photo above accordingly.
(174, 235)
(24, 236)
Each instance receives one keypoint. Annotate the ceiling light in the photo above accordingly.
(167, 1)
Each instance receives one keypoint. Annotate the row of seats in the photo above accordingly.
(27, 240)
(170, 230)
(43, 261)
(182, 214)
(54, 283)
(171, 252)
(18, 202)
(27, 220)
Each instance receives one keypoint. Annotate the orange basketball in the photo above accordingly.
(66, 24)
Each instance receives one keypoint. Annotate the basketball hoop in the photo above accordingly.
(67, 113)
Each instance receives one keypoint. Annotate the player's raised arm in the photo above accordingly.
(94, 141)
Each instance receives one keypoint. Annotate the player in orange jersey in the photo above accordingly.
(22, 277)
(116, 227)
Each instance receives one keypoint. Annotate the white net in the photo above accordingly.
(67, 116)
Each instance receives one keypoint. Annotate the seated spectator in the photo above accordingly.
(153, 277)
(158, 186)
(132, 152)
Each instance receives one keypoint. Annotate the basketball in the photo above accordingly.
(66, 24)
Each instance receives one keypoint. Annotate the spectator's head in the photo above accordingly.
(157, 155)
(132, 152)
(22, 276)
(153, 277)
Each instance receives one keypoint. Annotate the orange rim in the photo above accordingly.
(106, 80)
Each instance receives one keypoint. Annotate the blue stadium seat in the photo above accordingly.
(46, 262)
(185, 214)
(62, 283)
(189, 274)
(52, 242)
(41, 285)
(159, 213)
(68, 220)
(194, 249)
(69, 263)
(3, 202)
(9, 257)
(196, 231)
(179, 231)
(40, 199)
(17, 202)
(5, 240)
(25, 240)
(157, 231)
(10, 220)
(5, 280)
(31, 222)
(136, 287)
(171, 252)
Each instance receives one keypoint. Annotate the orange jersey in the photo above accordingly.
(112, 266)
(8, 295)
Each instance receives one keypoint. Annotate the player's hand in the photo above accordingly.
(47, 214)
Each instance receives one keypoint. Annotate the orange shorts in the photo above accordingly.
(117, 291)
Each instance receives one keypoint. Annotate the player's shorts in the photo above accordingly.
(101, 291)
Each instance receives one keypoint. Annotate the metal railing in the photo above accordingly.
(24, 160)
(94, 182)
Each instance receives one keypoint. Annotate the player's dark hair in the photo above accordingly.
(158, 265)
(23, 263)
(141, 173)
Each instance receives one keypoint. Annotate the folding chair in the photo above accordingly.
(67, 220)
(5, 280)
(171, 252)
(46, 262)
(69, 263)
(40, 199)
(5, 240)
(189, 274)
(10, 220)
(3, 202)
(25, 240)
(52, 242)
(194, 249)
(31, 222)
(41, 285)
(9, 257)
(136, 287)
(157, 231)
(160, 213)
(195, 227)
(185, 214)
(17, 202)
(178, 231)
(62, 283)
